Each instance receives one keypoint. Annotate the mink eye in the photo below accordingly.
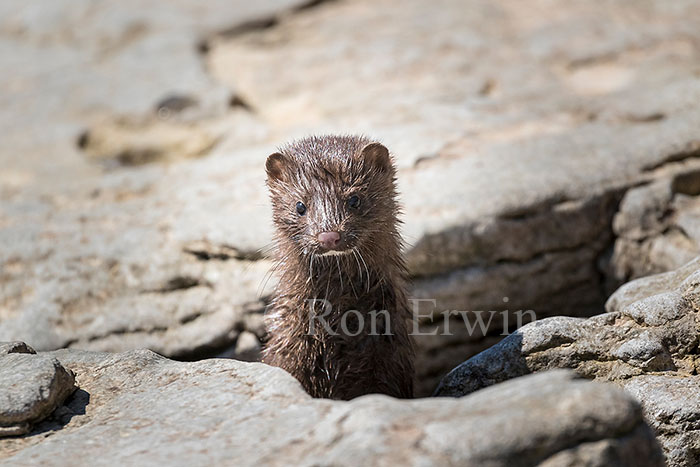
(354, 201)
(301, 208)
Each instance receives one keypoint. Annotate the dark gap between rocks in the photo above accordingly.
(258, 24)
(311, 4)
(692, 151)
(74, 405)
(174, 103)
(209, 252)
(646, 118)
(179, 283)
(205, 351)
(687, 183)
(237, 102)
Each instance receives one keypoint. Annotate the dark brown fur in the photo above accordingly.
(323, 173)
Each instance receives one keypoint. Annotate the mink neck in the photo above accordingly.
(340, 277)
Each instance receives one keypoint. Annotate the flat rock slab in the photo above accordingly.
(147, 410)
(31, 387)
(647, 343)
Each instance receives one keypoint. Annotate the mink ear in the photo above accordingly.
(376, 155)
(276, 166)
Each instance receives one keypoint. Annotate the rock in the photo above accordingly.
(655, 227)
(671, 408)
(158, 411)
(94, 62)
(94, 83)
(135, 143)
(646, 343)
(522, 172)
(31, 387)
(15, 347)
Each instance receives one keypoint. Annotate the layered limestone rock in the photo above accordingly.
(138, 407)
(646, 343)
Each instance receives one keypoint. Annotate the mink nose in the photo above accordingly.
(329, 240)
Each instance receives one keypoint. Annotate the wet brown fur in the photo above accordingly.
(323, 172)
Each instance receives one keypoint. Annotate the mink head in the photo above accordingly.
(333, 194)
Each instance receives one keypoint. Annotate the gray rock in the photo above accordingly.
(655, 227)
(155, 411)
(647, 343)
(672, 407)
(31, 387)
(91, 85)
(93, 64)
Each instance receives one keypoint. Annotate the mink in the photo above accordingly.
(339, 320)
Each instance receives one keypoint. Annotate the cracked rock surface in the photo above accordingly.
(647, 343)
(547, 153)
(31, 387)
(138, 407)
